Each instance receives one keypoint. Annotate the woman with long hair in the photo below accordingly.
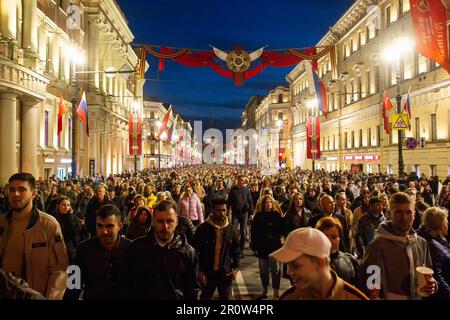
(70, 226)
(266, 231)
(141, 223)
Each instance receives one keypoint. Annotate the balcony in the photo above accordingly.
(22, 80)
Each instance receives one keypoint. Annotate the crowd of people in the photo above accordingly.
(181, 233)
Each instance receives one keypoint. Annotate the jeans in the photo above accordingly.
(241, 223)
(220, 281)
(267, 265)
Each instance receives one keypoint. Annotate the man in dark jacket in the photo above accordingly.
(93, 205)
(217, 245)
(218, 192)
(241, 204)
(117, 201)
(162, 265)
(101, 259)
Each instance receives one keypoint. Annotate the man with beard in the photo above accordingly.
(100, 259)
(217, 245)
(162, 265)
(307, 252)
(31, 242)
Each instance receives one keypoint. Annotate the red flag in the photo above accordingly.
(130, 134)
(387, 102)
(430, 27)
(318, 137)
(385, 117)
(165, 121)
(308, 138)
(139, 136)
(62, 110)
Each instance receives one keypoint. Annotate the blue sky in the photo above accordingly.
(201, 93)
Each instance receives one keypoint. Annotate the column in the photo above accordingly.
(29, 137)
(8, 105)
(30, 28)
(8, 19)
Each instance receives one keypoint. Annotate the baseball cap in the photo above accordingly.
(308, 241)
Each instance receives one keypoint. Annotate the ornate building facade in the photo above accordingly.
(352, 135)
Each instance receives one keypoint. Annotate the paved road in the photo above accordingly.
(248, 283)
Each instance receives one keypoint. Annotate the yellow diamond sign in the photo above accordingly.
(400, 121)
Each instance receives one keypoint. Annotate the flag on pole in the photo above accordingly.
(386, 107)
(62, 110)
(82, 112)
(407, 108)
(317, 88)
(165, 122)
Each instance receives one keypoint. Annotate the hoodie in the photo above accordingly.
(397, 256)
(219, 241)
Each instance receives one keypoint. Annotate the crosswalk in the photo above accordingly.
(247, 285)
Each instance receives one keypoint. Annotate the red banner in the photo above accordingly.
(430, 26)
(139, 136)
(318, 137)
(308, 138)
(130, 134)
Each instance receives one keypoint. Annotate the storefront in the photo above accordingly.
(368, 163)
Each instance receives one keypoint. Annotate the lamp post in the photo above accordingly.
(280, 125)
(158, 126)
(77, 59)
(393, 53)
(312, 105)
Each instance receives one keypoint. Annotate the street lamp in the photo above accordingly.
(158, 126)
(393, 54)
(77, 58)
(280, 125)
(312, 105)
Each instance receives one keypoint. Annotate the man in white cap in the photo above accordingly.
(307, 252)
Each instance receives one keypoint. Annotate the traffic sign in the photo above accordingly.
(411, 143)
(400, 121)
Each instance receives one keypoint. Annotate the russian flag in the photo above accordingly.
(82, 112)
(407, 108)
(321, 94)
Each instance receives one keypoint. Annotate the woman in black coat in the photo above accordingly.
(297, 216)
(266, 234)
(70, 226)
(140, 224)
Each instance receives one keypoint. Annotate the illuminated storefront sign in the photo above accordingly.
(362, 157)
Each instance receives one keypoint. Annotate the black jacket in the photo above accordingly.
(345, 240)
(162, 273)
(205, 243)
(240, 201)
(346, 266)
(266, 233)
(91, 210)
(185, 228)
(292, 220)
(101, 271)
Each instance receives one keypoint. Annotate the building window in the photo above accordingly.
(360, 138)
(378, 135)
(423, 64)
(280, 98)
(46, 127)
(345, 141)
(408, 66)
(433, 127)
(377, 79)
(352, 145)
(417, 128)
(433, 169)
(369, 84)
(369, 137)
(334, 142)
(388, 15)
